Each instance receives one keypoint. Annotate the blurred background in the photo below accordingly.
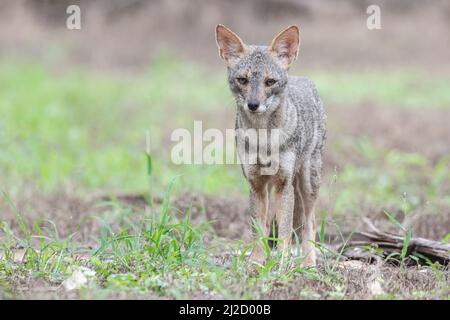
(76, 105)
(129, 34)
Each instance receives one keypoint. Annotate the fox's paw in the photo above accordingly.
(257, 256)
(308, 262)
(254, 267)
(255, 262)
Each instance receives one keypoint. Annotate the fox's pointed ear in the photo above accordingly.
(231, 47)
(285, 46)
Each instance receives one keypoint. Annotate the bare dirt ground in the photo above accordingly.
(421, 131)
(363, 282)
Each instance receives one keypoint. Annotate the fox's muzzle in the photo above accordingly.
(253, 105)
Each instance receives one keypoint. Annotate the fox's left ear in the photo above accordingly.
(285, 46)
(231, 47)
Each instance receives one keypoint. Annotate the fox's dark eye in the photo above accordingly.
(242, 80)
(270, 82)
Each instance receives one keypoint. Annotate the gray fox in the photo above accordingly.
(268, 98)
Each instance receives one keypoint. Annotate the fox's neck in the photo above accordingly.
(267, 120)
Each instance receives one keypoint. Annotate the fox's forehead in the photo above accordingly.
(258, 62)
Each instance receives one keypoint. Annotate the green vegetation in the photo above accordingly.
(87, 131)
(391, 179)
(395, 89)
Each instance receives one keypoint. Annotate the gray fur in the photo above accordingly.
(292, 105)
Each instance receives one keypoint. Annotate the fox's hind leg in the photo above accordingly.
(298, 216)
(309, 183)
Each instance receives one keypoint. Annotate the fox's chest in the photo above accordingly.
(261, 154)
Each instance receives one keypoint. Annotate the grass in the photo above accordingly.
(69, 129)
(86, 132)
(402, 180)
(407, 88)
(156, 254)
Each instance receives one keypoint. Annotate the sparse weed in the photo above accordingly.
(158, 250)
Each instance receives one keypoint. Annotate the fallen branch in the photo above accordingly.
(390, 243)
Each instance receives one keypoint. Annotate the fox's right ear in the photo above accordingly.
(285, 46)
(231, 47)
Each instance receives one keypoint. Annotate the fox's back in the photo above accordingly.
(311, 128)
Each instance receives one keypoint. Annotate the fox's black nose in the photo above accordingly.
(253, 105)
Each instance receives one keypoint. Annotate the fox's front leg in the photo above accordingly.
(284, 204)
(309, 187)
(259, 205)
